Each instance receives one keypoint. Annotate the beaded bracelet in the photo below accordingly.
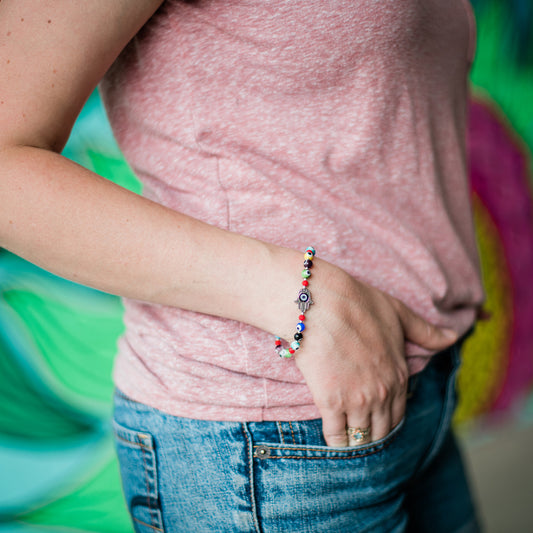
(304, 301)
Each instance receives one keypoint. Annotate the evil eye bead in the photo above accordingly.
(308, 255)
(308, 263)
(303, 296)
(310, 250)
(300, 327)
(298, 336)
(295, 345)
(306, 273)
(284, 353)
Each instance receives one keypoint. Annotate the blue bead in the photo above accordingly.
(300, 327)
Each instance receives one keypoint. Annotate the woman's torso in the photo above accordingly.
(339, 123)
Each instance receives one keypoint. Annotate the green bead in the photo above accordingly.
(306, 273)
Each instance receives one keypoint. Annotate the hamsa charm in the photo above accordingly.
(304, 300)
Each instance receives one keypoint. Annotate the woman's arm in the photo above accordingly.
(73, 222)
(76, 224)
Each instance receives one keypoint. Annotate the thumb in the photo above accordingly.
(421, 332)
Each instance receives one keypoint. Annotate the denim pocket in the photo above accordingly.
(138, 464)
(307, 486)
(306, 450)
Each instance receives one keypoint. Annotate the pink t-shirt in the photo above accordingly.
(339, 124)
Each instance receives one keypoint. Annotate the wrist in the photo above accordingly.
(279, 289)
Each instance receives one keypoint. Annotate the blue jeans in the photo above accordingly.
(194, 476)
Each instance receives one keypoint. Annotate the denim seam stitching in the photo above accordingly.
(148, 525)
(147, 483)
(153, 510)
(347, 455)
(249, 456)
(292, 433)
(139, 444)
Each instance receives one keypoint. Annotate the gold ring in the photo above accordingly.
(358, 434)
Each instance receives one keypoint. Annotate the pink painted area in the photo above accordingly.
(499, 176)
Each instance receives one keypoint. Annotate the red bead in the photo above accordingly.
(291, 350)
(278, 343)
(302, 317)
(305, 283)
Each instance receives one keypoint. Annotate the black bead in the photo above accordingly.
(298, 336)
(308, 263)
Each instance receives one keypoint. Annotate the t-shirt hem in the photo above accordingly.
(218, 413)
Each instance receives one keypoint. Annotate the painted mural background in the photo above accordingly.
(58, 339)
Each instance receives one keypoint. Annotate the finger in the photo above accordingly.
(334, 429)
(398, 408)
(421, 332)
(359, 431)
(381, 421)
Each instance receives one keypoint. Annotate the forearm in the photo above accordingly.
(81, 226)
(76, 224)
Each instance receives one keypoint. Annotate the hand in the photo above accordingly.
(353, 358)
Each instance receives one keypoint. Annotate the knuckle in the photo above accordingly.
(359, 400)
(336, 436)
(331, 403)
(403, 378)
(383, 392)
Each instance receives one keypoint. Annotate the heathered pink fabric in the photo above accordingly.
(339, 124)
